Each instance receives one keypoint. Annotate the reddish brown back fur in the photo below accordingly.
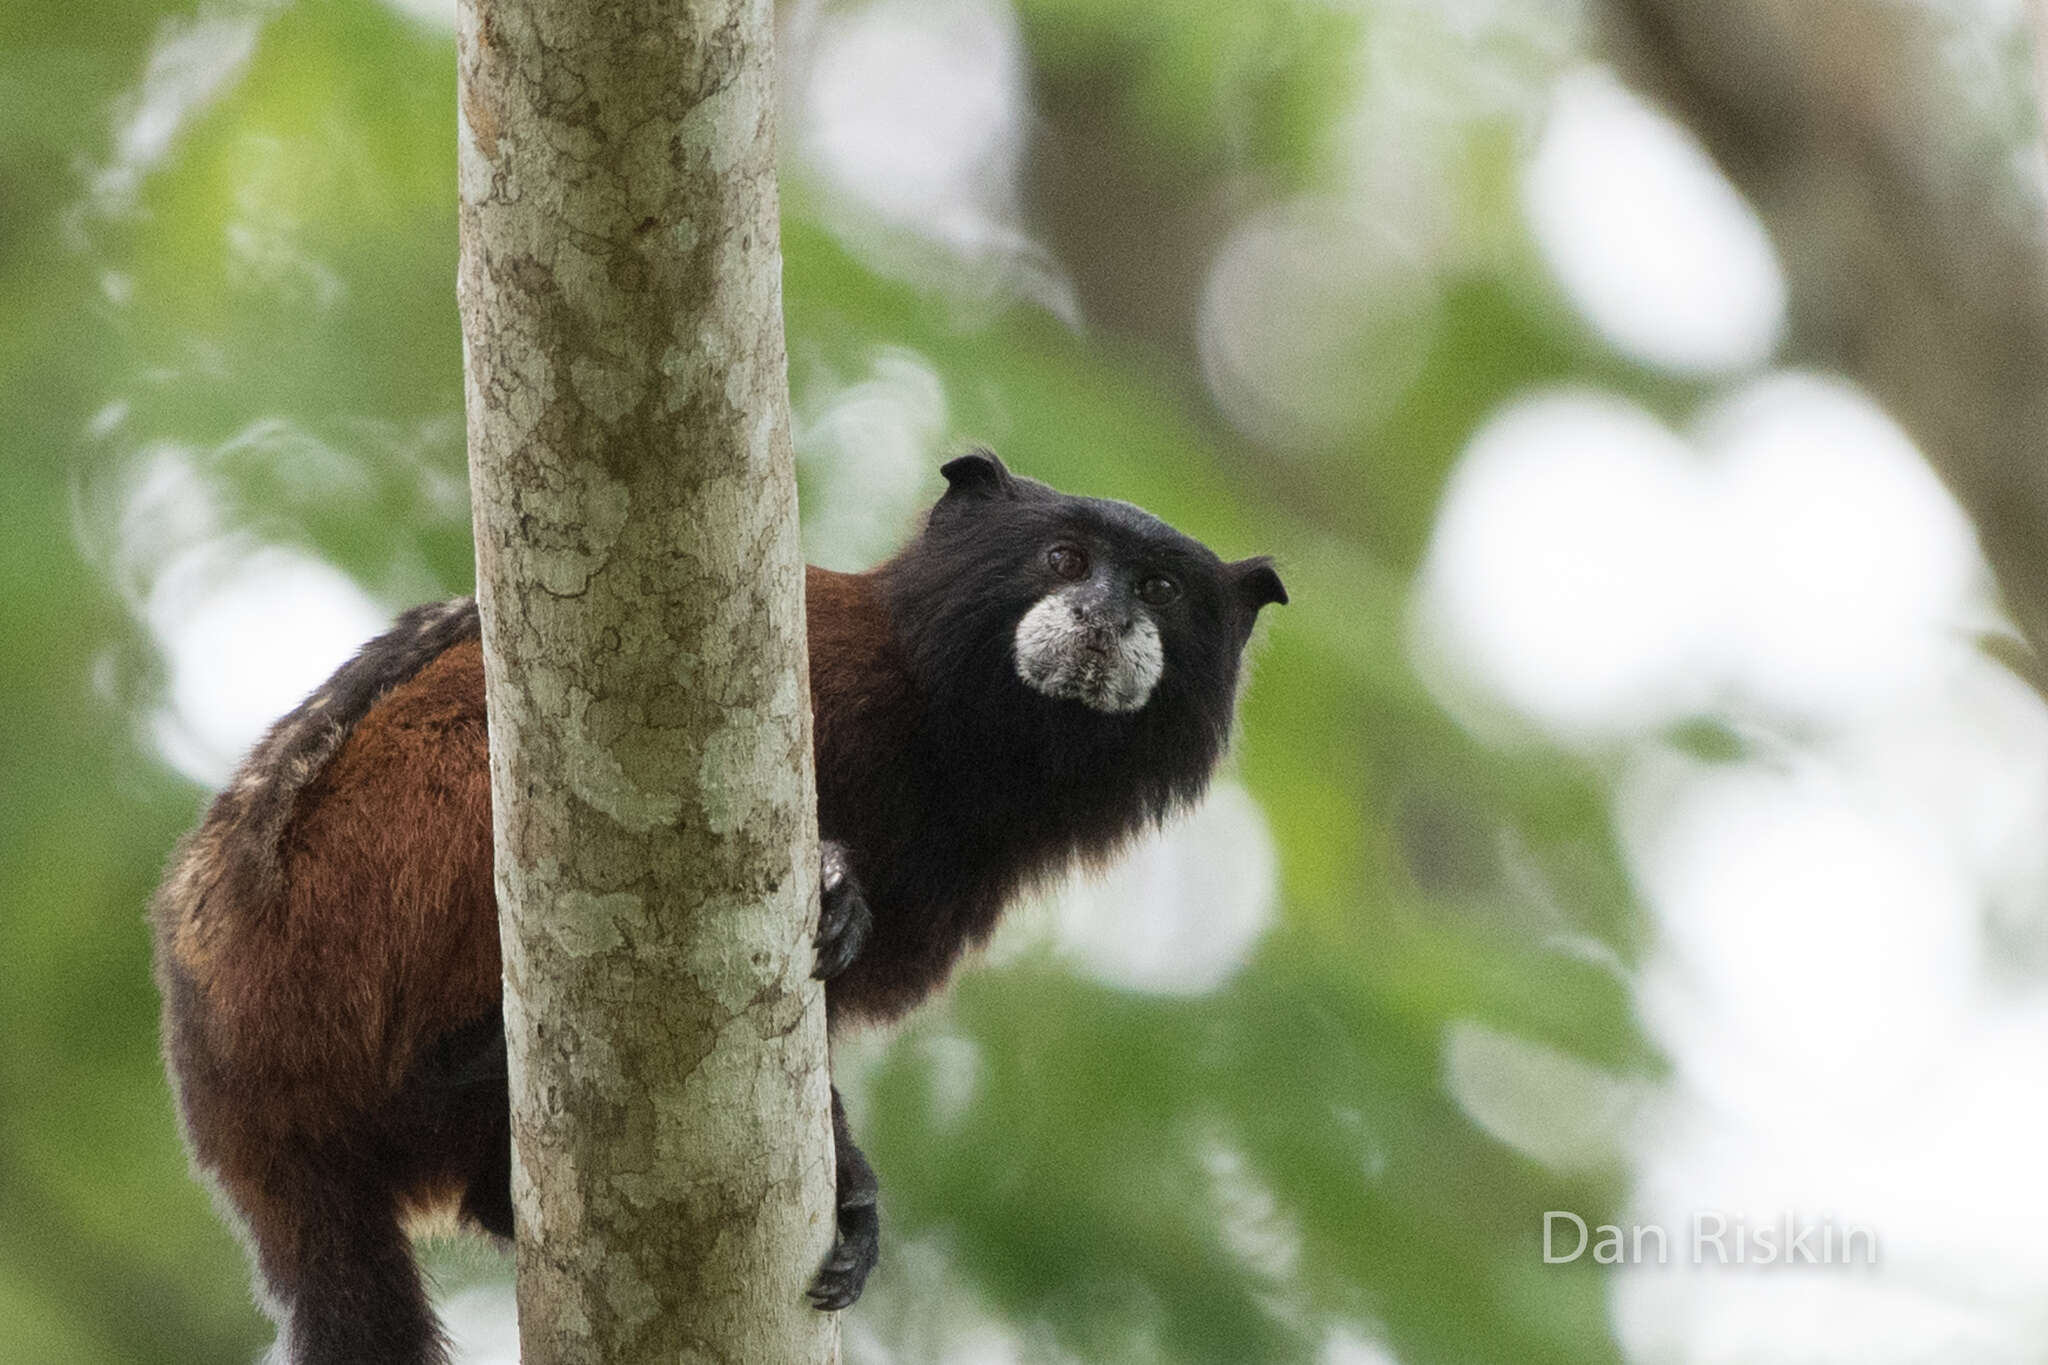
(865, 703)
(309, 1029)
(387, 883)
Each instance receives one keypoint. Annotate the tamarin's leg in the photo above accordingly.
(462, 1083)
(843, 915)
(460, 1119)
(468, 1066)
(858, 1244)
(485, 1121)
(843, 924)
(336, 1258)
(488, 1200)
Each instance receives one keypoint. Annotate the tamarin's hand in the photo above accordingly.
(843, 915)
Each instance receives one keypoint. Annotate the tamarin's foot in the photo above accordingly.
(857, 1244)
(843, 915)
(854, 1253)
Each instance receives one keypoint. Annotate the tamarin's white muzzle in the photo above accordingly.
(1066, 650)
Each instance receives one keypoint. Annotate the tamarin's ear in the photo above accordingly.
(978, 474)
(1257, 583)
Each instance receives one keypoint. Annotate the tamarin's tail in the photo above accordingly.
(277, 1066)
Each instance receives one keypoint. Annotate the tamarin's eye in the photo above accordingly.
(1067, 561)
(1158, 590)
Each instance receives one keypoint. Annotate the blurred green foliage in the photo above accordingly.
(1074, 1193)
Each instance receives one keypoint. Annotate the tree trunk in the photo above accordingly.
(641, 588)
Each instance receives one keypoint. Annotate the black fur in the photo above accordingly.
(352, 852)
(986, 785)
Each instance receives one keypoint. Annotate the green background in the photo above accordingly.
(1075, 1198)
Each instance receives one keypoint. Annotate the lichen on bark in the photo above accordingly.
(641, 591)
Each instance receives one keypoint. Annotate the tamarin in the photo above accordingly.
(1029, 683)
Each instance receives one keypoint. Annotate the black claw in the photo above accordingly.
(854, 1253)
(843, 916)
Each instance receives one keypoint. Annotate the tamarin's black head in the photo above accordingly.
(1062, 631)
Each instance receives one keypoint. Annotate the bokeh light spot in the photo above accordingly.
(1662, 255)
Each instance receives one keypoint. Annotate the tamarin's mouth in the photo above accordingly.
(1061, 653)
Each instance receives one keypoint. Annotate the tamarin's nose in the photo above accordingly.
(1105, 613)
(1100, 636)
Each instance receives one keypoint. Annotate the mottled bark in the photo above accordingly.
(641, 585)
